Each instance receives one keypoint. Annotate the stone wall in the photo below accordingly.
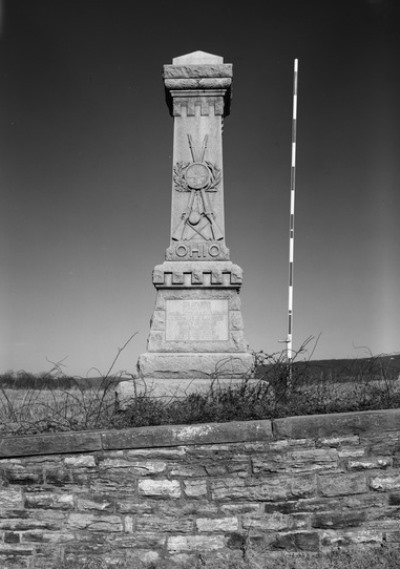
(301, 483)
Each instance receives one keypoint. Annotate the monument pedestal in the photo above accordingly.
(197, 328)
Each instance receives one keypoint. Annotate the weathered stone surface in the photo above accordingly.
(94, 522)
(52, 500)
(86, 460)
(291, 541)
(198, 58)
(195, 488)
(370, 463)
(272, 489)
(187, 470)
(18, 473)
(323, 503)
(342, 484)
(351, 452)
(385, 482)
(296, 460)
(354, 537)
(344, 441)
(144, 468)
(174, 389)
(160, 488)
(338, 519)
(50, 444)
(268, 522)
(181, 490)
(173, 453)
(322, 426)
(217, 524)
(195, 543)
(42, 537)
(196, 320)
(10, 498)
(37, 519)
(165, 524)
(198, 434)
(195, 365)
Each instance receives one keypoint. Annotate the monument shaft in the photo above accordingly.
(197, 329)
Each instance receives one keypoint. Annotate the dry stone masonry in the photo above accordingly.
(197, 327)
(165, 494)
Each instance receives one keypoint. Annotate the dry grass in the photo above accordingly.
(61, 403)
(30, 411)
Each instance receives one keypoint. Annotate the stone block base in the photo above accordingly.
(173, 389)
(195, 365)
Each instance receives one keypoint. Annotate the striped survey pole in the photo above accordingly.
(291, 225)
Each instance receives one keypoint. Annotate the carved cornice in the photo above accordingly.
(196, 71)
(199, 82)
(202, 274)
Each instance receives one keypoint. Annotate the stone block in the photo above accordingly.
(37, 519)
(97, 503)
(11, 537)
(385, 482)
(173, 453)
(241, 508)
(160, 488)
(10, 498)
(157, 523)
(349, 440)
(296, 460)
(194, 365)
(338, 519)
(174, 389)
(334, 539)
(268, 522)
(267, 490)
(60, 476)
(137, 539)
(19, 474)
(144, 468)
(52, 500)
(46, 537)
(200, 543)
(351, 452)
(217, 524)
(394, 499)
(337, 424)
(370, 463)
(342, 484)
(187, 470)
(146, 556)
(94, 522)
(195, 488)
(292, 541)
(82, 460)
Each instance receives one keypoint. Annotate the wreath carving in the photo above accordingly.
(179, 176)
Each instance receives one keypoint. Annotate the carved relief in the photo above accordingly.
(197, 178)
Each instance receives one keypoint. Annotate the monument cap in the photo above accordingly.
(197, 58)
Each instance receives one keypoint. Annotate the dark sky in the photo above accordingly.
(85, 177)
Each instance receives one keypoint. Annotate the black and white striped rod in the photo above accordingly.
(291, 226)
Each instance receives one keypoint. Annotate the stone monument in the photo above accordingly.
(196, 330)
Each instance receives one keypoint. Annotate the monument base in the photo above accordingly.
(175, 389)
(169, 366)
